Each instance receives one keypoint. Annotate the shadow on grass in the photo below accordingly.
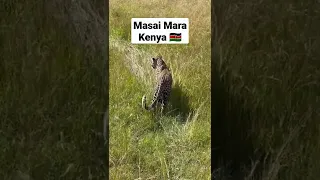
(177, 108)
(179, 103)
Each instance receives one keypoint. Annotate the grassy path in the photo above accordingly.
(176, 146)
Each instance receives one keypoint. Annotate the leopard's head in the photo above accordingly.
(158, 62)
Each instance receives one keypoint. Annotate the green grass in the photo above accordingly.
(265, 95)
(266, 90)
(142, 144)
(50, 99)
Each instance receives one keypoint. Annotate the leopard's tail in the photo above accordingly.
(144, 103)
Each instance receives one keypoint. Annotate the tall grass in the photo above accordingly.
(267, 69)
(142, 144)
(51, 98)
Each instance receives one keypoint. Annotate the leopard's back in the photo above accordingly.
(163, 85)
(165, 82)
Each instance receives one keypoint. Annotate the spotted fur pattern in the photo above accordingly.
(163, 87)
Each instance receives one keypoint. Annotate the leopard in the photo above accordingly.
(163, 85)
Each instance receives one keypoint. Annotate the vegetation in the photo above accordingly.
(51, 98)
(144, 145)
(266, 90)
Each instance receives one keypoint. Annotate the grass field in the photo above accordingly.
(51, 98)
(266, 88)
(142, 144)
(265, 93)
